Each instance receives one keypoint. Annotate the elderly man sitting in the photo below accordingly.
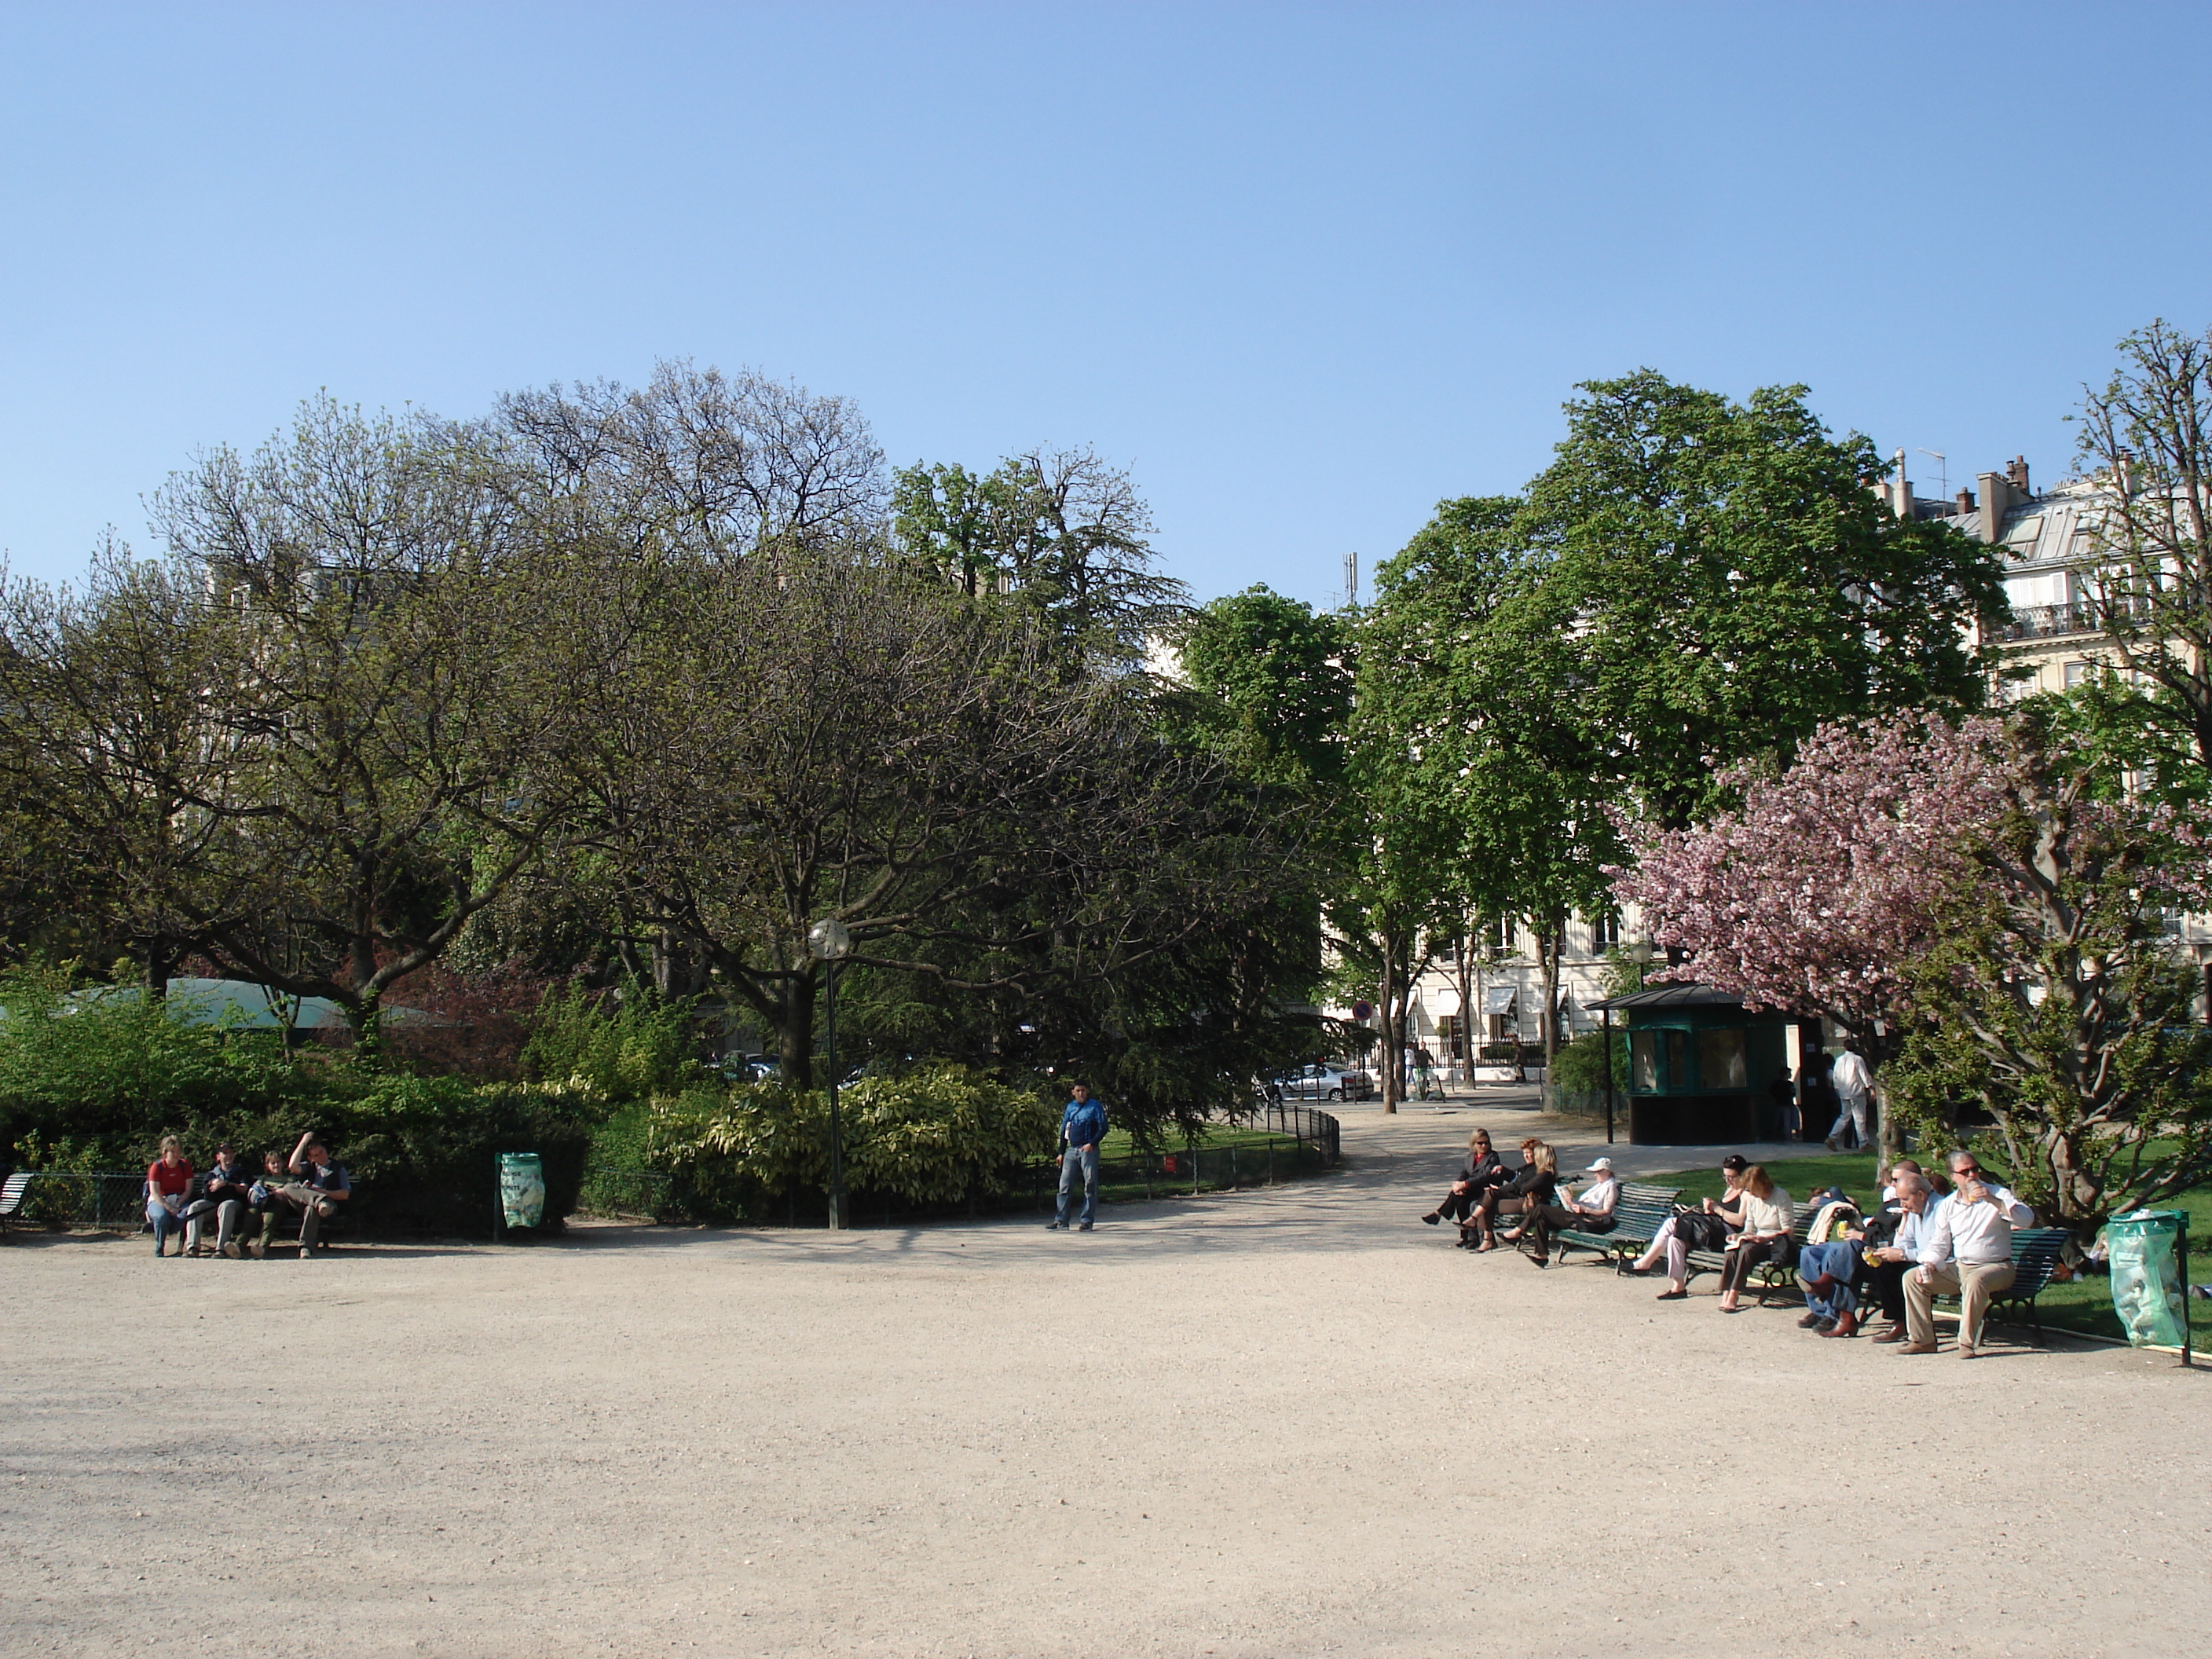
(1965, 1248)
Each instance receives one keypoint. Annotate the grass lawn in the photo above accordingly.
(2085, 1305)
(1118, 1144)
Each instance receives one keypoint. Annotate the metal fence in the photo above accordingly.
(1301, 1142)
(625, 1194)
(107, 1200)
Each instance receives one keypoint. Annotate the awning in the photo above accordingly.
(1501, 999)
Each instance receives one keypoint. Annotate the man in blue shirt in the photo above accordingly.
(1082, 1127)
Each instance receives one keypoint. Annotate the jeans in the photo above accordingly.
(165, 1221)
(1840, 1260)
(1853, 1111)
(1975, 1284)
(1074, 1158)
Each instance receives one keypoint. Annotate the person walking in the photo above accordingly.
(1853, 1084)
(1082, 1127)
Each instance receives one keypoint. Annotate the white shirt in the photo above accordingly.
(1598, 1196)
(1976, 1235)
(1849, 1075)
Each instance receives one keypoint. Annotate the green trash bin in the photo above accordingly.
(2143, 1248)
(521, 1189)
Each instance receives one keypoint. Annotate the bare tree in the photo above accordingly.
(714, 465)
(113, 747)
(2147, 432)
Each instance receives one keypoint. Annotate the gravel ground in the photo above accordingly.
(1283, 1422)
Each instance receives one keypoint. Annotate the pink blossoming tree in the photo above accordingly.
(1985, 911)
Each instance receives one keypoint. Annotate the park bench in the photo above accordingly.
(1644, 1208)
(11, 1200)
(2035, 1252)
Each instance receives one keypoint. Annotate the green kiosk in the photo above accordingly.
(1700, 1066)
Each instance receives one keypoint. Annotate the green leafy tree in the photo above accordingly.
(1719, 578)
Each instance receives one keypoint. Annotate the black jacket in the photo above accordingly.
(1532, 1183)
(1488, 1173)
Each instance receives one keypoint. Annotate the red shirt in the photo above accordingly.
(174, 1182)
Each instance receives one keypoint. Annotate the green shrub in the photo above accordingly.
(626, 1046)
(423, 1151)
(1580, 1068)
(932, 1136)
(104, 1072)
(91, 1082)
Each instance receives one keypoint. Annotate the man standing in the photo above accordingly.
(1082, 1127)
(1965, 1248)
(315, 1197)
(1853, 1083)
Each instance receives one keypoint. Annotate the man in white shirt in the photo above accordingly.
(1966, 1246)
(1853, 1084)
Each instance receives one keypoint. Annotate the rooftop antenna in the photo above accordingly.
(1350, 581)
(1943, 472)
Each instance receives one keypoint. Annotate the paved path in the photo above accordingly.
(1275, 1423)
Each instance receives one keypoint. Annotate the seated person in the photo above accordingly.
(314, 1197)
(1535, 1182)
(1966, 1250)
(227, 1195)
(1483, 1171)
(1590, 1211)
(1675, 1238)
(1893, 1244)
(169, 1185)
(1829, 1266)
(1768, 1215)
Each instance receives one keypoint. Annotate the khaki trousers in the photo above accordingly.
(1975, 1284)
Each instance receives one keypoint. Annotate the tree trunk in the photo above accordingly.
(1548, 944)
(1386, 999)
(1467, 1028)
(794, 1036)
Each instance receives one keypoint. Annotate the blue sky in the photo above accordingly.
(1304, 269)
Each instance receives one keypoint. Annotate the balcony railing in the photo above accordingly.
(2042, 622)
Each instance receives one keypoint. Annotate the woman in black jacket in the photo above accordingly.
(1483, 1172)
(1535, 1182)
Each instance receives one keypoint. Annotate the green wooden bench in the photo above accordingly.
(2035, 1253)
(1643, 1209)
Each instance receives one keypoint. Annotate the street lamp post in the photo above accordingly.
(831, 943)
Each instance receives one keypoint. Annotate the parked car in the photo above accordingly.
(1325, 1083)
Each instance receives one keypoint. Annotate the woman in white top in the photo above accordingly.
(1768, 1215)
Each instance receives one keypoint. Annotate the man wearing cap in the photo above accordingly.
(1588, 1212)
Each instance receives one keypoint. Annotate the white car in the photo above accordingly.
(1325, 1083)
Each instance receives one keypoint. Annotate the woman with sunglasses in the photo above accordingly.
(1483, 1172)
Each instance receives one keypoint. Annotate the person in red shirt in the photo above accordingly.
(168, 1182)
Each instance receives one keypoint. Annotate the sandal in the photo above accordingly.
(1671, 1296)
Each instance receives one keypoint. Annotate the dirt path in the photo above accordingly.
(1286, 1422)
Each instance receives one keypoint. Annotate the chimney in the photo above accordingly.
(1900, 490)
(2016, 475)
(1996, 502)
(1965, 503)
